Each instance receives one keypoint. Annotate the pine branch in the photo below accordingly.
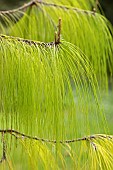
(28, 42)
(37, 2)
(18, 134)
(31, 42)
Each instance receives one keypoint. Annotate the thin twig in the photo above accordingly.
(59, 30)
(18, 134)
(36, 2)
(26, 41)
(22, 8)
(4, 149)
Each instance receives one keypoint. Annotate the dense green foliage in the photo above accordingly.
(51, 90)
(77, 26)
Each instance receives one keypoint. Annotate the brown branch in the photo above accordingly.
(36, 2)
(18, 134)
(28, 42)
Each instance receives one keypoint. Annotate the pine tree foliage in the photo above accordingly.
(78, 24)
(41, 86)
(48, 88)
